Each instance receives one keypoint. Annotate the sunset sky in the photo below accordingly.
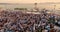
(27, 1)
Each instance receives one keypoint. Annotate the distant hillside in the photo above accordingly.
(50, 3)
(8, 3)
(28, 3)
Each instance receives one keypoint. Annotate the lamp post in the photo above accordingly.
(54, 8)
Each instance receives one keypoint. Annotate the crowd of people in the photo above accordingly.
(15, 21)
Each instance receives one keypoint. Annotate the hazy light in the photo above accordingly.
(27, 1)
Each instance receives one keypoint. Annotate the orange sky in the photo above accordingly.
(27, 1)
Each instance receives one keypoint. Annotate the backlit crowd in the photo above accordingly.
(16, 21)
